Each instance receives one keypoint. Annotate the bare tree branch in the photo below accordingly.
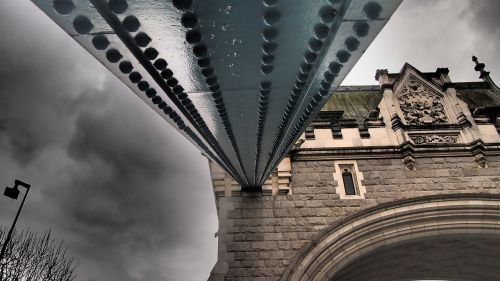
(30, 257)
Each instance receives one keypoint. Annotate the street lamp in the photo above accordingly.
(13, 192)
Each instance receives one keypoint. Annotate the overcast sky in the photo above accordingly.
(130, 197)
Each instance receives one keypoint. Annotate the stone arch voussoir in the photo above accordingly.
(395, 222)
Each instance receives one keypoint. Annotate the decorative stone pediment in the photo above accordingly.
(420, 104)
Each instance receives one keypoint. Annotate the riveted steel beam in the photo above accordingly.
(239, 79)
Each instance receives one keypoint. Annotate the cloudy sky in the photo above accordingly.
(130, 197)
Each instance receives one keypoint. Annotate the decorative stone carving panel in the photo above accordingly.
(420, 104)
(423, 139)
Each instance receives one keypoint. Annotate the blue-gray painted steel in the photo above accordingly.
(240, 79)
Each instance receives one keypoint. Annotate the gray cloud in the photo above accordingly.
(109, 176)
(483, 16)
(130, 197)
(431, 34)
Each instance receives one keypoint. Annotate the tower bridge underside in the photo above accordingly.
(239, 79)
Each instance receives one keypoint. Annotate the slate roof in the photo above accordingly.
(355, 101)
(477, 94)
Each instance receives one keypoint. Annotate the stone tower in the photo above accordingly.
(396, 181)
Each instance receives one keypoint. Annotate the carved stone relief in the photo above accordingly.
(433, 139)
(410, 162)
(481, 160)
(420, 104)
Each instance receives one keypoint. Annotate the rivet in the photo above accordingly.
(160, 64)
(131, 23)
(300, 84)
(352, 43)
(264, 95)
(269, 48)
(266, 69)
(305, 67)
(142, 39)
(167, 110)
(118, 6)
(269, 34)
(113, 55)
(327, 14)
(329, 77)
(64, 7)
(315, 45)
(302, 77)
(343, 56)
(143, 85)
(177, 89)
(335, 67)
(166, 74)
(135, 77)
(372, 10)
(310, 57)
(193, 37)
(162, 105)
(125, 67)
(321, 30)
(296, 91)
(217, 95)
(267, 59)
(150, 92)
(218, 101)
(211, 81)
(214, 88)
(317, 98)
(156, 100)
(271, 16)
(100, 42)
(325, 85)
(151, 53)
(265, 85)
(172, 82)
(361, 28)
(207, 72)
(189, 20)
(82, 24)
(270, 3)
(200, 50)
(182, 4)
(204, 62)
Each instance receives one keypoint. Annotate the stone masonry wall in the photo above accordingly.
(259, 235)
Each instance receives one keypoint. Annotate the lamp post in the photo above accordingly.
(13, 192)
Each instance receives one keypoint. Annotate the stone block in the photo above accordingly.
(264, 233)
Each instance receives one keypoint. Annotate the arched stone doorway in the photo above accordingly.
(446, 237)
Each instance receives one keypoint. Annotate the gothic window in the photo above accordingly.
(348, 179)
(349, 185)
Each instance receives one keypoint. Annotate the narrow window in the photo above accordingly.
(349, 185)
(349, 180)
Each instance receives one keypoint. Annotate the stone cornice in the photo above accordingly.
(418, 151)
